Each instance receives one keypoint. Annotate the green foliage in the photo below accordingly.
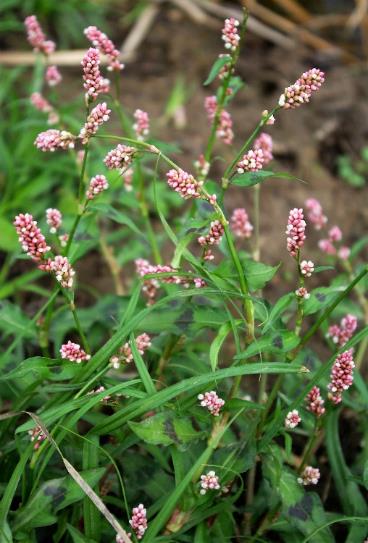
(84, 443)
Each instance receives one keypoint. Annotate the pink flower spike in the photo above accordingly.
(97, 185)
(239, 223)
(344, 253)
(214, 236)
(315, 213)
(202, 166)
(315, 402)
(212, 402)
(210, 481)
(292, 419)
(105, 45)
(120, 157)
(341, 376)
(300, 92)
(295, 231)
(335, 234)
(230, 34)
(310, 476)
(52, 76)
(37, 435)
(40, 103)
(306, 268)
(30, 237)
(224, 130)
(252, 161)
(99, 115)
(302, 293)
(74, 352)
(142, 124)
(55, 139)
(139, 520)
(327, 247)
(125, 354)
(53, 219)
(36, 37)
(63, 271)
(341, 334)
(93, 81)
(271, 120)
(265, 143)
(184, 184)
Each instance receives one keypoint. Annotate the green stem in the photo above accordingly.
(78, 324)
(224, 89)
(229, 170)
(248, 304)
(310, 446)
(145, 214)
(83, 171)
(256, 208)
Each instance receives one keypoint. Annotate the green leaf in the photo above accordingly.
(258, 274)
(77, 536)
(110, 212)
(53, 496)
(249, 179)
(280, 306)
(192, 385)
(217, 344)
(141, 367)
(217, 65)
(164, 429)
(277, 342)
(8, 238)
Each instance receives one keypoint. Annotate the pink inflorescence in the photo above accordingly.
(55, 139)
(53, 219)
(52, 76)
(315, 213)
(105, 45)
(224, 130)
(120, 157)
(62, 269)
(306, 268)
(295, 231)
(341, 377)
(212, 402)
(93, 81)
(335, 234)
(40, 103)
(310, 476)
(252, 161)
(139, 520)
(202, 166)
(264, 142)
(230, 34)
(302, 292)
(96, 185)
(30, 237)
(125, 354)
(142, 124)
(37, 435)
(292, 419)
(341, 334)
(210, 481)
(184, 184)
(214, 235)
(128, 179)
(74, 352)
(36, 37)
(344, 253)
(315, 402)
(240, 224)
(99, 115)
(270, 119)
(300, 92)
(327, 246)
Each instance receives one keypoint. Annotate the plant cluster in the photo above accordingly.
(134, 415)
